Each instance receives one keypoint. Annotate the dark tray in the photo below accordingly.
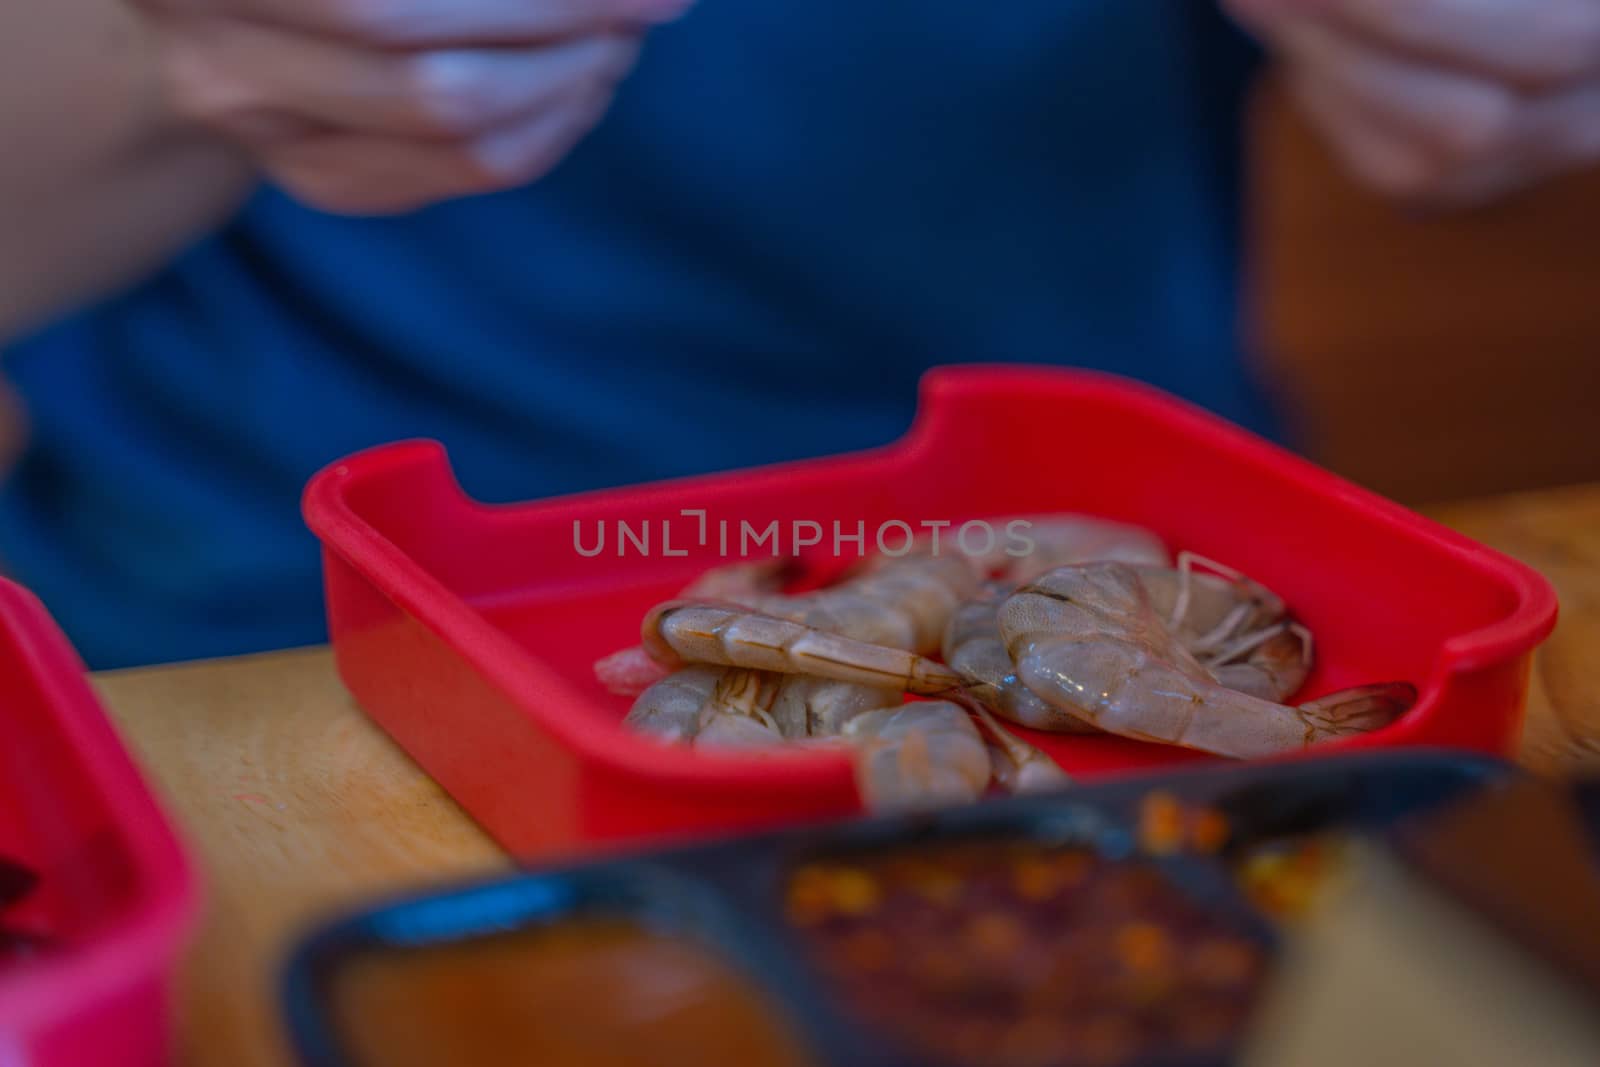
(728, 895)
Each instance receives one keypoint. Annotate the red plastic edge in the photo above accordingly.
(1529, 623)
(520, 675)
(142, 945)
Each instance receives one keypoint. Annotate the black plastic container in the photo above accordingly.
(728, 896)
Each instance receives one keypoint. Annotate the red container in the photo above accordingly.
(116, 895)
(468, 631)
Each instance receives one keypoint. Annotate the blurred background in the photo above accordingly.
(675, 224)
(1429, 357)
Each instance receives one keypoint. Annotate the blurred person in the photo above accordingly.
(590, 242)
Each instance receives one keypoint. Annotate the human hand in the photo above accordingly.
(377, 106)
(1449, 102)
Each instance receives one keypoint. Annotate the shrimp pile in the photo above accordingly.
(1097, 629)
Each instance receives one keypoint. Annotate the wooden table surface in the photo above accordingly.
(298, 806)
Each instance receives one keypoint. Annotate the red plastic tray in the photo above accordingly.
(116, 891)
(468, 631)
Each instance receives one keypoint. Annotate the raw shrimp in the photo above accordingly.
(1274, 668)
(707, 704)
(898, 602)
(632, 671)
(729, 730)
(1088, 640)
(846, 653)
(807, 706)
(737, 714)
(928, 753)
(1236, 627)
(918, 755)
(974, 648)
(730, 705)
(972, 642)
(905, 755)
(670, 709)
(679, 633)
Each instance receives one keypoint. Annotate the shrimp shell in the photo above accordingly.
(678, 633)
(807, 706)
(698, 704)
(972, 641)
(974, 649)
(722, 730)
(670, 709)
(1087, 640)
(920, 755)
(709, 707)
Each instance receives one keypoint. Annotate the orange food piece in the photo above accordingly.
(994, 934)
(1037, 878)
(869, 949)
(1161, 824)
(1208, 830)
(853, 892)
(1219, 961)
(1144, 946)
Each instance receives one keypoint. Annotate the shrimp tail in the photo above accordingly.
(630, 671)
(1358, 710)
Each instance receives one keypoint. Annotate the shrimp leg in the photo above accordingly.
(709, 706)
(1278, 660)
(1234, 625)
(1018, 766)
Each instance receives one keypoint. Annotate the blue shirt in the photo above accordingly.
(790, 212)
